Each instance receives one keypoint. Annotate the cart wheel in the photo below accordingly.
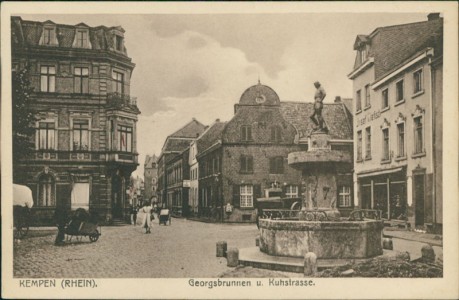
(93, 237)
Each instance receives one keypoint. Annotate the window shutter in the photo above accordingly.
(256, 191)
(271, 166)
(280, 165)
(242, 164)
(236, 196)
(249, 133)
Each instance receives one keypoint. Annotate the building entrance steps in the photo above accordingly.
(255, 258)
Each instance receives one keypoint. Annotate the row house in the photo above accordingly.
(246, 158)
(173, 168)
(85, 140)
(397, 83)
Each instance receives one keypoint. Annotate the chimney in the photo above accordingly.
(338, 99)
(433, 16)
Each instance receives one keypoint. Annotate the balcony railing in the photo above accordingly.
(120, 100)
(59, 155)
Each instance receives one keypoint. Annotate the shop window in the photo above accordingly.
(385, 98)
(48, 79)
(246, 164)
(246, 194)
(81, 80)
(246, 133)
(358, 101)
(291, 191)
(80, 134)
(344, 196)
(276, 165)
(368, 143)
(46, 194)
(417, 81)
(399, 91)
(46, 132)
(125, 138)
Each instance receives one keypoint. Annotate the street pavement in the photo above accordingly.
(183, 249)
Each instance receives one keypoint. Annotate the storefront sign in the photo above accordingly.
(368, 118)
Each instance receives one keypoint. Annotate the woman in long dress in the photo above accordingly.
(146, 210)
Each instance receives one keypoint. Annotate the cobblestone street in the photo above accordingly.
(184, 249)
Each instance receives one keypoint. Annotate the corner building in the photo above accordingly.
(85, 140)
(397, 83)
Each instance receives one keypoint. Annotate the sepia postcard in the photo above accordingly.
(229, 150)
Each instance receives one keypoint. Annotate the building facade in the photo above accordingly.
(150, 176)
(247, 157)
(397, 83)
(173, 168)
(85, 141)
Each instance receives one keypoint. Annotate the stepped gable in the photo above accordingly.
(336, 116)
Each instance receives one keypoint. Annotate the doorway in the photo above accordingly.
(419, 198)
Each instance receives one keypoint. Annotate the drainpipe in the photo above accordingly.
(433, 160)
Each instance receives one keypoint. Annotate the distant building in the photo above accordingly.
(150, 176)
(85, 141)
(397, 79)
(173, 167)
(246, 158)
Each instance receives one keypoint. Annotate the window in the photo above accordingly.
(367, 96)
(363, 55)
(46, 195)
(125, 138)
(46, 135)
(246, 194)
(81, 80)
(275, 134)
(399, 93)
(276, 165)
(119, 82)
(385, 98)
(385, 133)
(291, 191)
(48, 36)
(246, 164)
(418, 135)
(417, 81)
(48, 79)
(359, 100)
(359, 145)
(246, 133)
(368, 143)
(401, 139)
(81, 38)
(119, 43)
(80, 134)
(344, 196)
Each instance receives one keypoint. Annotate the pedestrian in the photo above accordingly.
(133, 214)
(61, 219)
(146, 222)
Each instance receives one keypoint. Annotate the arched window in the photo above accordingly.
(46, 191)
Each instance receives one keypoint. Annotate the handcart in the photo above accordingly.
(22, 203)
(82, 224)
(164, 216)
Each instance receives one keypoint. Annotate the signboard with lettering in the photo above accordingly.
(368, 118)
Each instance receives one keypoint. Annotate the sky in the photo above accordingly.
(198, 65)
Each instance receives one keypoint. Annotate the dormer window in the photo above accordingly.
(119, 42)
(82, 37)
(48, 36)
(363, 54)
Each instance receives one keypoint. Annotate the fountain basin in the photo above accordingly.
(327, 239)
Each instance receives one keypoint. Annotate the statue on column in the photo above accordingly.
(316, 117)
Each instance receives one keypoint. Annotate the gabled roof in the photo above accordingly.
(392, 46)
(212, 135)
(149, 160)
(192, 129)
(337, 118)
(176, 144)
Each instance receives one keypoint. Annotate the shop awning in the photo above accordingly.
(379, 172)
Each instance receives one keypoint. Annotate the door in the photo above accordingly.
(419, 197)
